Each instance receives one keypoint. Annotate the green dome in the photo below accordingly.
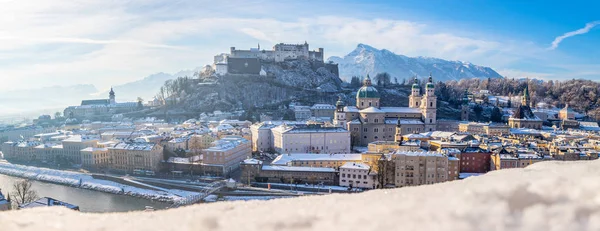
(415, 86)
(367, 92)
(430, 85)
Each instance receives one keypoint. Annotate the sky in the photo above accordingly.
(106, 43)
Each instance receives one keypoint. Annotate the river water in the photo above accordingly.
(87, 200)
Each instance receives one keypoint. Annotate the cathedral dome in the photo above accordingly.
(367, 91)
(430, 85)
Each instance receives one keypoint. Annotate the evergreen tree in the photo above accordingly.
(496, 115)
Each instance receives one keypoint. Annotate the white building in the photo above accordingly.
(302, 112)
(228, 153)
(358, 175)
(322, 110)
(310, 139)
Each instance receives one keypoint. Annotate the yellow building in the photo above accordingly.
(95, 157)
(199, 142)
(135, 156)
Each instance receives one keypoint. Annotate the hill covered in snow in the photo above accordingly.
(369, 60)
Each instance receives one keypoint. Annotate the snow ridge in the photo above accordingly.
(366, 59)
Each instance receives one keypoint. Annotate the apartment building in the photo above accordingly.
(227, 153)
(128, 157)
(419, 168)
(358, 175)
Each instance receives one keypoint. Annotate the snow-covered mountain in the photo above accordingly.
(369, 60)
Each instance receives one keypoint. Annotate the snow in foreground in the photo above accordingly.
(80, 180)
(544, 196)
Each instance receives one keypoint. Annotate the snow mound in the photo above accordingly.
(544, 196)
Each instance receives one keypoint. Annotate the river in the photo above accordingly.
(87, 200)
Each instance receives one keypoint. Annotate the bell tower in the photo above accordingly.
(429, 107)
(398, 135)
(414, 99)
(111, 96)
(339, 117)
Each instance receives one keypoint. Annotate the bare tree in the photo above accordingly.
(23, 192)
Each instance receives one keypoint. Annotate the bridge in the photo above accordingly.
(203, 193)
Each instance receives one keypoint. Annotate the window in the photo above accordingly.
(376, 120)
(369, 104)
(365, 130)
(375, 129)
(431, 104)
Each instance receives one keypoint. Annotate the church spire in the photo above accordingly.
(111, 96)
(526, 99)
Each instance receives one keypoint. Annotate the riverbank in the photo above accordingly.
(85, 181)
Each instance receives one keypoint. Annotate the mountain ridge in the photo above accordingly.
(365, 59)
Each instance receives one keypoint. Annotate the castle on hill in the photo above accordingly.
(250, 61)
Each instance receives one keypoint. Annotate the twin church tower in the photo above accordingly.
(369, 122)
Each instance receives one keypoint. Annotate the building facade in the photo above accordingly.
(310, 139)
(129, 157)
(420, 168)
(358, 175)
(227, 153)
(369, 122)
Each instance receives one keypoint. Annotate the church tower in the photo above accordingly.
(414, 99)
(398, 136)
(111, 96)
(429, 107)
(464, 114)
(339, 117)
(525, 101)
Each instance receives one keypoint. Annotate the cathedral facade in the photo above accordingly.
(368, 121)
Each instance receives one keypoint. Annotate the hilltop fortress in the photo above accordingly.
(250, 61)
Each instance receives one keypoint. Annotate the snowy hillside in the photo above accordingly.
(146, 87)
(368, 60)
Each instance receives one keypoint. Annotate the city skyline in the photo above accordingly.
(111, 43)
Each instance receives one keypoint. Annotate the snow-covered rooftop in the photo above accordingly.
(284, 159)
(354, 165)
(296, 169)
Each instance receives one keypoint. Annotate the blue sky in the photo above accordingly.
(45, 43)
